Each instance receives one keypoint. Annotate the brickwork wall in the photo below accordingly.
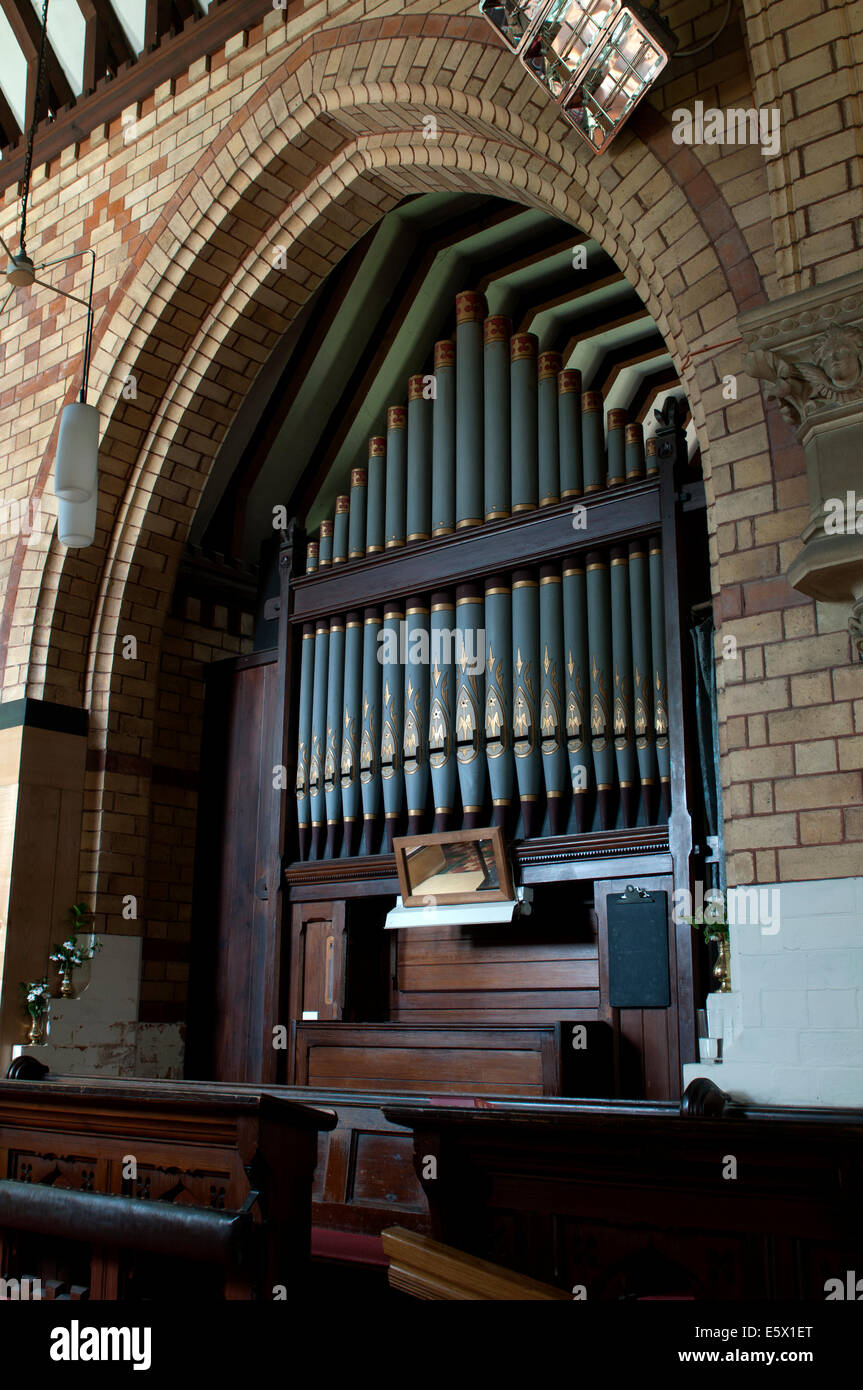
(303, 134)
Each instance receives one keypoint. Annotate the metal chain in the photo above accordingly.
(28, 162)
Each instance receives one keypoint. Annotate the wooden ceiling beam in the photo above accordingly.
(9, 128)
(58, 92)
(30, 51)
(119, 50)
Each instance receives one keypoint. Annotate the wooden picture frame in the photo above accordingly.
(435, 855)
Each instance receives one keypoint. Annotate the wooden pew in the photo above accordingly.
(638, 1199)
(426, 1269)
(149, 1189)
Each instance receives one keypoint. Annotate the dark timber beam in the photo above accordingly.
(10, 131)
(30, 51)
(58, 91)
(119, 50)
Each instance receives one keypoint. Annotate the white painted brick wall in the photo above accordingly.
(793, 1024)
(97, 1032)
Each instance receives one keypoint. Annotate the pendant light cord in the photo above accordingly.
(28, 162)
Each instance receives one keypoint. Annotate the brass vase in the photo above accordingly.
(34, 1037)
(66, 989)
(722, 968)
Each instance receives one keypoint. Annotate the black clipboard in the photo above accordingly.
(638, 950)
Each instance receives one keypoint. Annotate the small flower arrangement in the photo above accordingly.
(37, 1001)
(69, 956)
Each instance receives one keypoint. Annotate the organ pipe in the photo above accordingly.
(496, 335)
(616, 447)
(551, 697)
(443, 440)
(376, 494)
(599, 633)
(397, 421)
(357, 514)
(442, 758)
(419, 459)
(525, 694)
(340, 530)
(392, 717)
(642, 666)
(470, 664)
(471, 311)
(592, 441)
(498, 695)
(577, 689)
(311, 557)
(325, 548)
(416, 713)
(304, 736)
(621, 640)
(660, 685)
(317, 744)
(634, 451)
(548, 449)
(569, 432)
(351, 732)
(370, 741)
(332, 746)
(523, 421)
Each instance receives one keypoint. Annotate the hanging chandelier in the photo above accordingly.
(76, 481)
(595, 58)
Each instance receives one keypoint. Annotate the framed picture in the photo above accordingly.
(453, 866)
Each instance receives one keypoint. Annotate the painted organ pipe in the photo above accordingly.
(551, 698)
(634, 451)
(416, 714)
(525, 693)
(577, 689)
(311, 557)
(569, 432)
(357, 514)
(319, 736)
(592, 441)
(470, 666)
(392, 715)
(351, 732)
(616, 447)
(523, 421)
(470, 313)
(660, 681)
(496, 335)
(325, 547)
(375, 498)
(498, 695)
(548, 448)
(599, 633)
(370, 739)
(394, 529)
(340, 530)
(332, 747)
(642, 674)
(304, 736)
(651, 459)
(621, 640)
(420, 410)
(443, 440)
(442, 757)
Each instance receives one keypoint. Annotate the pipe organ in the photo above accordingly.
(533, 697)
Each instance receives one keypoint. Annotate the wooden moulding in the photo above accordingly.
(426, 1269)
(600, 854)
(525, 539)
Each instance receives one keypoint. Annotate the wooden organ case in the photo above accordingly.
(486, 632)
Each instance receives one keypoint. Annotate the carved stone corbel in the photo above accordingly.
(808, 350)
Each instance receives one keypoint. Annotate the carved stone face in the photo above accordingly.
(839, 355)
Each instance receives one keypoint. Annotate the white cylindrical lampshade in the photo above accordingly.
(76, 522)
(77, 464)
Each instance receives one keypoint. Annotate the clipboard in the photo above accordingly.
(638, 950)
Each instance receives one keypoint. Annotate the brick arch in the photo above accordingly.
(157, 451)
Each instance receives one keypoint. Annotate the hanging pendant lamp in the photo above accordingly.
(76, 467)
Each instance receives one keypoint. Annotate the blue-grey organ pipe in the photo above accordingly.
(396, 479)
(370, 738)
(498, 695)
(470, 313)
(317, 801)
(420, 411)
(392, 720)
(416, 713)
(443, 440)
(376, 494)
(442, 759)
(497, 331)
(548, 445)
(552, 695)
(523, 421)
(304, 737)
(525, 698)
(569, 432)
(332, 747)
(351, 732)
